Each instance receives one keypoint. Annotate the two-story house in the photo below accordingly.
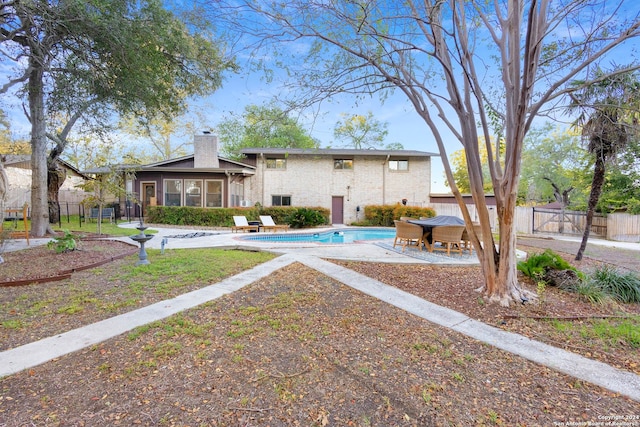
(343, 180)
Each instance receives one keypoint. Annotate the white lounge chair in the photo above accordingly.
(242, 224)
(269, 224)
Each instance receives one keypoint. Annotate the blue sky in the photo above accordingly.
(404, 124)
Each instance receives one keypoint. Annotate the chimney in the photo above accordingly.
(205, 151)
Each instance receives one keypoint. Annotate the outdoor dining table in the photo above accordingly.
(428, 224)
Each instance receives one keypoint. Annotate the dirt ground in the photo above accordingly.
(300, 349)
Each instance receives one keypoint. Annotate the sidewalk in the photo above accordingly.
(33, 354)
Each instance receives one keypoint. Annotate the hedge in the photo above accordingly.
(223, 217)
(383, 215)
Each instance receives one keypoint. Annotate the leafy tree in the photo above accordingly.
(470, 68)
(552, 163)
(9, 145)
(262, 126)
(361, 131)
(161, 133)
(461, 176)
(610, 109)
(80, 59)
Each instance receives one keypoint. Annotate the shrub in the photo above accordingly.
(223, 217)
(383, 215)
(66, 243)
(623, 287)
(537, 264)
(305, 217)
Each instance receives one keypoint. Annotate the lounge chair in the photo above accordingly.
(408, 234)
(406, 218)
(242, 224)
(449, 236)
(269, 224)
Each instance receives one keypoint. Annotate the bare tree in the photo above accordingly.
(469, 68)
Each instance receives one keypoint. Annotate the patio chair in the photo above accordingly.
(466, 241)
(242, 224)
(269, 224)
(406, 218)
(408, 234)
(449, 236)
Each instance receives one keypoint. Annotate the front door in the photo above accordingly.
(337, 210)
(149, 197)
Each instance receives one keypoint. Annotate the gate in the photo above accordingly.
(561, 221)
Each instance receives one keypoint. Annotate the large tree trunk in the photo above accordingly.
(39, 205)
(499, 265)
(594, 196)
(55, 178)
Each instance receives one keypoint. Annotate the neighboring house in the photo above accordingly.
(18, 170)
(342, 180)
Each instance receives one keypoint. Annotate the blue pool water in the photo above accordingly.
(341, 236)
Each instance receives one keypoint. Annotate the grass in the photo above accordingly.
(169, 274)
(604, 333)
(73, 224)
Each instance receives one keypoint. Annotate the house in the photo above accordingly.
(18, 170)
(342, 180)
(202, 179)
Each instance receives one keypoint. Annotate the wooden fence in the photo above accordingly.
(621, 227)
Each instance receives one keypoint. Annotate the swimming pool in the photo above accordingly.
(340, 236)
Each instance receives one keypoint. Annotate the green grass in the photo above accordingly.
(169, 274)
(176, 269)
(76, 227)
(614, 332)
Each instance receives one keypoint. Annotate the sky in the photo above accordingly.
(403, 123)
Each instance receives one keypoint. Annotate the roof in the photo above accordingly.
(15, 159)
(165, 165)
(338, 152)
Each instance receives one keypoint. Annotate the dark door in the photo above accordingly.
(337, 209)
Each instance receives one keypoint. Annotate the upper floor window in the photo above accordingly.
(343, 164)
(398, 165)
(276, 163)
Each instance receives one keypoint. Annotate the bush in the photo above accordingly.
(223, 217)
(383, 215)
(537, 264)
(305, 217)
(66, 243)
(623, 287)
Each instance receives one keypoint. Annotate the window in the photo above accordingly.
(173, 192)
(193, 194)
(213, 195)
(398, 165)
(276, 163)
(343, 164)
(277, 200)
(237, 193)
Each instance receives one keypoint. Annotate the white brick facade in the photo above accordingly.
(311, 179)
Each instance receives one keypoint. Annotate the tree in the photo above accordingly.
(161, 133)
(461, 176)
(361, 131)
(614, 107)
(262, 126)
(552, 164)
(76, 59)
(470, 68)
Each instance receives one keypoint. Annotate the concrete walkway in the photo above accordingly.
(33, 354)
